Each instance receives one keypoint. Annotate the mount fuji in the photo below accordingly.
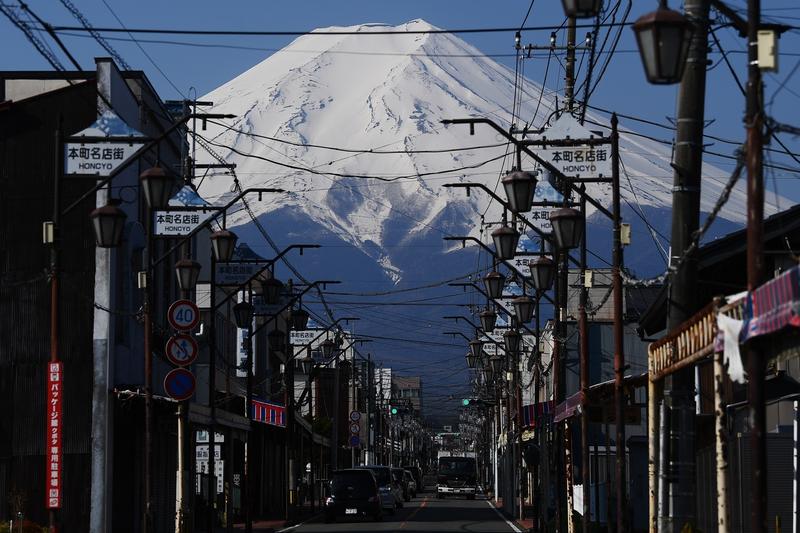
(382, 99)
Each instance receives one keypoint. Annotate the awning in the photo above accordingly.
(272, 414)
(772, 306)
(534, 412)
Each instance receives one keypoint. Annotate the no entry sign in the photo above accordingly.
(183, 315)
(179, 384)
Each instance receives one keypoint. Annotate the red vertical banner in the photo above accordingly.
(53, 433)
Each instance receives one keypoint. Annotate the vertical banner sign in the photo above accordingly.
(54, 428)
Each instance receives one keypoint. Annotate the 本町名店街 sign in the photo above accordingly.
(178, 223)
(97, 158)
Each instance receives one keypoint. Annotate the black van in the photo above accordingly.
(353, 494)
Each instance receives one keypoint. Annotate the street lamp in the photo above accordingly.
(494, 282)
(475, 348)
(488, 373)
(582, 9)
(187, 271)
(523, 308)
(271, 289)
(505, 242)
(306, 364)
(299, 319)
(542, 273)
(488, 320)
(663, 37)
(471, 359)
(276, 340)
(511, 339)
(157, 187)
(567, 227)
(496, 364)
(327, 348)
(520, 187)
(222, 244)
(108, 222)
(243, 314)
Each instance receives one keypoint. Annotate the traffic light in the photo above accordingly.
(393, 410)
(470, 402)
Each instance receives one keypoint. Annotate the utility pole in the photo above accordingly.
(754, 121)
(679, 509)
(583, 330)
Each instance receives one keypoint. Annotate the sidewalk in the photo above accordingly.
(524, 525)
(302, 514)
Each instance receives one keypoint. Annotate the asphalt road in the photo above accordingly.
(424, 513)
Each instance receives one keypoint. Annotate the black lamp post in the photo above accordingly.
(276, 340)
(494, 282)
(187, 271)
(523, 308)
(488, 320)
(475, 348)
(567, 227)
(108, 222)
(223, 243)
(542, 272)
(582, 9)
(243, 314)
(663, 37)
(511, 339)
(327, 347)
(306, 364)
(471, 359)
(271, 288)
(520, 187)
(505, 242)
(496, 364)
(488, 373)
(299, 319)
(157, 187)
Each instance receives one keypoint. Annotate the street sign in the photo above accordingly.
(179, 222)
(102, 147)
(235, 273)
(181, 349)
(355, 441)
(303, 337)
(583, 161)
(355, 428)
(355, 416)
(183, 315)
(53, 481)
(179, 384)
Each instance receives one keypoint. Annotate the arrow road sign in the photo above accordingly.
(183, 315)
(181, 349)
(179, 384)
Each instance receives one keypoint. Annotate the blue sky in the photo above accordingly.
(623, 87)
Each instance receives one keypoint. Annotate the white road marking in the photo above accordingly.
(511, 524)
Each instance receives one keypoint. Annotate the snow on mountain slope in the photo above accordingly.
(390, 93)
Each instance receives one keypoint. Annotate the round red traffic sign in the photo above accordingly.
(183, 315)
(181, 349)
(179, 384)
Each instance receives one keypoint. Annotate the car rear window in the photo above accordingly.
(354, 484)
(381, 475)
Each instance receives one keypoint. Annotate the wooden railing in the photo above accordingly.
(691, 341)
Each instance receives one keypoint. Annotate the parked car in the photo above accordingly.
(390, 492)
(400, 479)
(417, 473)
(353, 494)
(411, 483)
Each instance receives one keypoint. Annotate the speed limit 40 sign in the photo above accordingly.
(183, 315)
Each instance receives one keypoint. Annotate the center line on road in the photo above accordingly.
(418, 509)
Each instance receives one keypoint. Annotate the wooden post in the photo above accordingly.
(721, 422)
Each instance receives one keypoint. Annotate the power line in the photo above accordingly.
(97, 37)
(295, 33)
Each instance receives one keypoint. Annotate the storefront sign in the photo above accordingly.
(53, 480)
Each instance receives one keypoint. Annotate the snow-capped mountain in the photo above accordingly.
(389, 93)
